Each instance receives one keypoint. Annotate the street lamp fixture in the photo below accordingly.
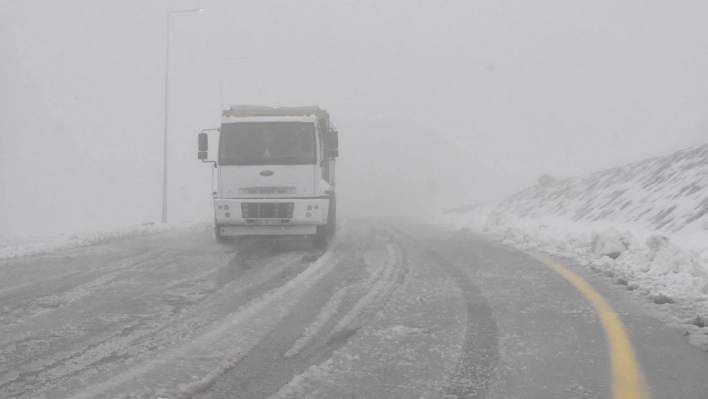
(165, 124)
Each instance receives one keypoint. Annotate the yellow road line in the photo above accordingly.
(627, 379)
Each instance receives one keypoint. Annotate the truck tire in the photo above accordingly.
(324, 233)
(219, 238)
(320, 240)
(332, 216)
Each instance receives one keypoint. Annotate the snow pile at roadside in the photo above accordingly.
(638, 258)
(14, 248)
(644, 224)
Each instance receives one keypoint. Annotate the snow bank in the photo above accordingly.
(33, 245)
(663, 194)
(645, 225)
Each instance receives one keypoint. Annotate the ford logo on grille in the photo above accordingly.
(267, 173)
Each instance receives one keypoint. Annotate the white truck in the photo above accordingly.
(275, 173)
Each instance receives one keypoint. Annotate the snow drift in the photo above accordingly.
(662, 194)
(19, 247)
(645, 225)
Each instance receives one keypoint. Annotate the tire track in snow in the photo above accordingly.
(46, 304)
(384, 284)
(106, 267)
(246, 378)
(480, 351)
(380, 284)
(156, 328)
(68, 294)
(481, 347)
(388, 356)
(314, 329)
(205, 355)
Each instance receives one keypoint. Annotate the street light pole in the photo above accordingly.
(167, 107)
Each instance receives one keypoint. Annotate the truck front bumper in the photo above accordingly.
(292, 216)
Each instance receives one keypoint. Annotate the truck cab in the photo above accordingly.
(275, 173)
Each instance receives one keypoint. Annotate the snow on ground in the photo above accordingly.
(13, 248)
(645, 225)
(188, 368)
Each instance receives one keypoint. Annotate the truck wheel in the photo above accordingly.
(332, 216)
(219, 238)
(320, 239)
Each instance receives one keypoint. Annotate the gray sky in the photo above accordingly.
(484, 96)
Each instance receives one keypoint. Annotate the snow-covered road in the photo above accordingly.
(125, 317)
(395, 311)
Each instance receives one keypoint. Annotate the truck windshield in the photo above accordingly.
(267, 143)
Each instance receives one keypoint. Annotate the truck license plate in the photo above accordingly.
(267, 222)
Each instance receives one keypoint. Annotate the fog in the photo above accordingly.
(482, 97)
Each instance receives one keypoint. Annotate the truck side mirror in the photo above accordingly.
(333, 153)
(203, 143)
(202, 155)
(333, 139)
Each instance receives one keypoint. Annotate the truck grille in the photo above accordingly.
(253, 210)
